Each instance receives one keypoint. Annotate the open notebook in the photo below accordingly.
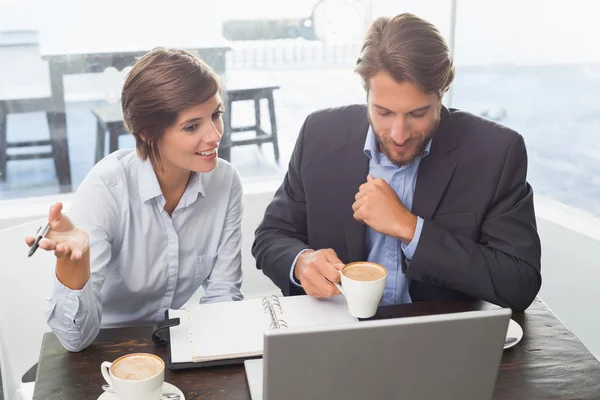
(234, 330)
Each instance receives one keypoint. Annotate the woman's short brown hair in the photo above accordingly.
(409, 49)
(161, 84)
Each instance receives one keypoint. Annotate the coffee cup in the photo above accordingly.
(362, 284)
(137, 376)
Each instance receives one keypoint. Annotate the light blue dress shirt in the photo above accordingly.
(142, 260)
(385, 250)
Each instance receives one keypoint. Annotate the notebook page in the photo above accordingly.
(306, 311)
(181, 346)
(228, 330)
(235, 329)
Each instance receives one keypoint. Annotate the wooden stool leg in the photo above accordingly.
(3, 147)
(258, 123)
(273, 126)
(257, 112)
(225, 146)
(100, 141)
(57, 123)
(113, 144)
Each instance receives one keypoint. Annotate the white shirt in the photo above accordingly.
(142, 260)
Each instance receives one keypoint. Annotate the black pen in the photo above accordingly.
(38, 236)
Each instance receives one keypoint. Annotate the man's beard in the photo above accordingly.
(384, 144)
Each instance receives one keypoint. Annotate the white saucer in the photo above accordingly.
(514, 330)
(167, 388)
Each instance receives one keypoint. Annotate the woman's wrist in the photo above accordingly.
(73, 274)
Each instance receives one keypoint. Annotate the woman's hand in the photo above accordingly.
(64, 238)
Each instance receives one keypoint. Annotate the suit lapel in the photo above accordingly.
(355, 175)
(436, 170)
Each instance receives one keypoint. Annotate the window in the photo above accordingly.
(531, 66)
(535, 67)
(62, 60)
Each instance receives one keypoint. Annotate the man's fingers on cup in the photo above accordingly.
(315, 284)
(336, 291)
(310, 276)
(329, 272)
(332, 257)
(310, 289)
(319, 286)
(339, 266)
(329, 289)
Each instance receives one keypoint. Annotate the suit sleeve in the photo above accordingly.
(282, 234)
(503, 265)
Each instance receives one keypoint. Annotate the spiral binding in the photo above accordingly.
(270, 304)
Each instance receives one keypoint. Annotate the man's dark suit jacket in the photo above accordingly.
(479, 237)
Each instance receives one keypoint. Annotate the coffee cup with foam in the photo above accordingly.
(137, 376)
(362, 284)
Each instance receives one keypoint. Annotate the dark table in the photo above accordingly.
(548, 363)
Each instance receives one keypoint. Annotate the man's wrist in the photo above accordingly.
(405, 229)
(300, 258)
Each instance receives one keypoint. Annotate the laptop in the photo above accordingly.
(447, 356)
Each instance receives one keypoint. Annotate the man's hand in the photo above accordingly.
(378, 206)
(315, 270)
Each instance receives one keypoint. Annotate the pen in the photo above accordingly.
(39, 235)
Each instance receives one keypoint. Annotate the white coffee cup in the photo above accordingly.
(137, 376)
(362, 284)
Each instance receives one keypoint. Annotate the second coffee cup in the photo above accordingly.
(362, 284)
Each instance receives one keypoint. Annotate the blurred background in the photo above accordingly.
(534, 66)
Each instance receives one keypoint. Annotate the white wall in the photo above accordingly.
(571, 268)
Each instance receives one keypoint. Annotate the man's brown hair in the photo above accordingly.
(409, 49)
(161, 84)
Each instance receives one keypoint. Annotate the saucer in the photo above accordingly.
(514, 330)
(167, 388)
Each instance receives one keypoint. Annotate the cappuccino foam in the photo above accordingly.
(363, 272)
(136, 367)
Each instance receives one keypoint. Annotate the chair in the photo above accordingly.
(25, 283)
(109, 118)
(26, 99)
(109, 114)
(256, 94)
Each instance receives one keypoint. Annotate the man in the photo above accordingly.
(437, 196)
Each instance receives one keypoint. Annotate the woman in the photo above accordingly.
(149, 226)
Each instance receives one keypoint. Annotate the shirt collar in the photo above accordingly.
(150, 188)
(147, 181)
(373, 153)
(194, 189)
